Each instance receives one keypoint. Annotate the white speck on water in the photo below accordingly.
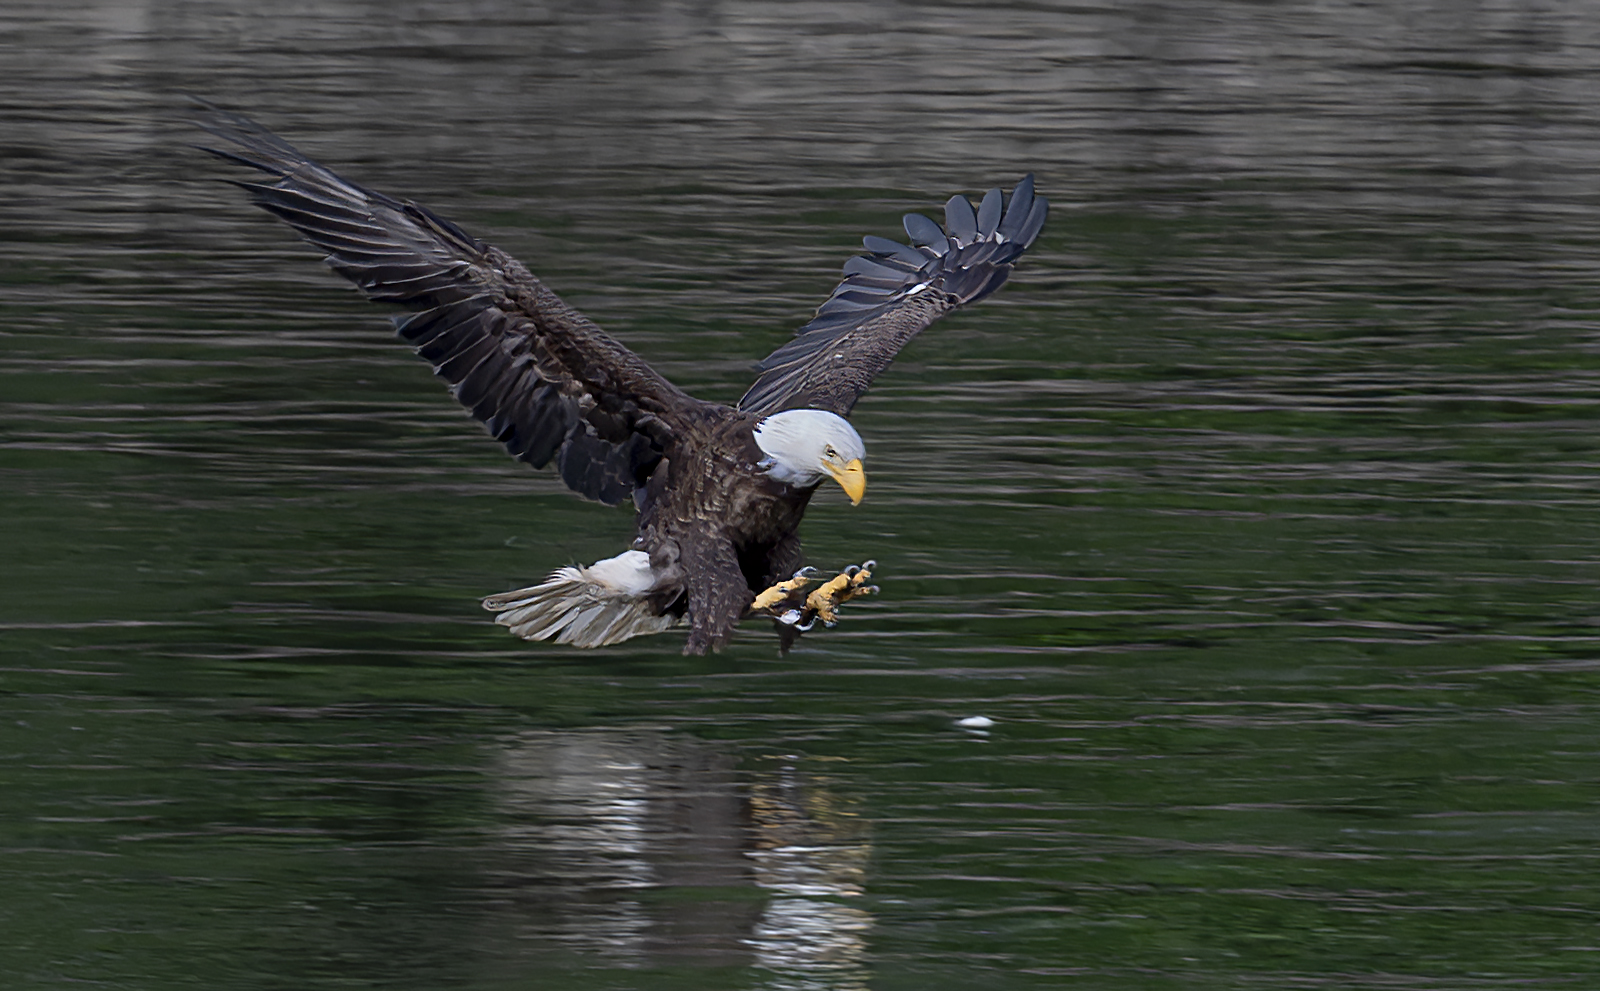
(975, 722)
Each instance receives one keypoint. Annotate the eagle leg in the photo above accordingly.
(824, 602)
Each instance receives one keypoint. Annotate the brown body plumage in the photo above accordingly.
(716, 520)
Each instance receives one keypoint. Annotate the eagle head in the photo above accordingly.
(802, 446)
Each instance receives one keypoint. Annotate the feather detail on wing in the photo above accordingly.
(891, 293)
(542, 378)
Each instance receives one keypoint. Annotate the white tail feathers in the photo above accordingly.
(596, 606)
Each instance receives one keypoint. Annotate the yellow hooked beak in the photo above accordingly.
(850, 477)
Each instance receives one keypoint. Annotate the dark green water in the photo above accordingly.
(1261, 511)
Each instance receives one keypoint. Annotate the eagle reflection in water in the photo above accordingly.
(643, 847)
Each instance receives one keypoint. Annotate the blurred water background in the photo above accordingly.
(1259, 512)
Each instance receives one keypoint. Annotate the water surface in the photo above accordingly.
(1258, 512)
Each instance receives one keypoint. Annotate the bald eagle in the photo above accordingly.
(719, 490)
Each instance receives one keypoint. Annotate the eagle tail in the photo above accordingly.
(605, 603)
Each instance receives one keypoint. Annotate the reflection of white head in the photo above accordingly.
(804, 445)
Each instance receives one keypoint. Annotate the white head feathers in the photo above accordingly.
(801, 444)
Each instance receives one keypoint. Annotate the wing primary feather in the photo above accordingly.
(327, 199)
(925, 232)
(483, 390)
(878, 268)
(323, 218)
(982, 253)
(1017, 212)
(960, 219)
(837, 304)
(460, 365)
(989, 213)
(996, 279)
(869, 284)
(1035, 221)
(894, 249)
(423, 328)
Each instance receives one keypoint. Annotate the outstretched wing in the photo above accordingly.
(891, 293)
(542, 378)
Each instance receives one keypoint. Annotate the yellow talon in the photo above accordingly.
(823, 600)
(779, 592)
(826, 600)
